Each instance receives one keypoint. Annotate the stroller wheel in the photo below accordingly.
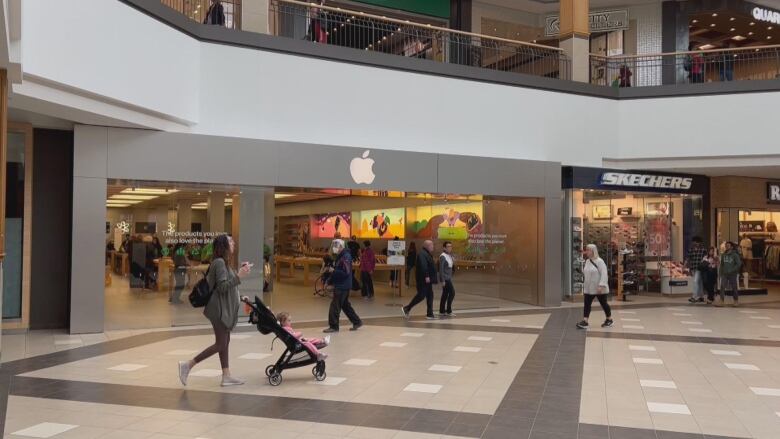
(275, 379)
(269, 370)
(319, 375)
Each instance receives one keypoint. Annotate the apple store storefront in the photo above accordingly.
(159, 200)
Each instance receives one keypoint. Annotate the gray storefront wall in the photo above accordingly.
(102, 154)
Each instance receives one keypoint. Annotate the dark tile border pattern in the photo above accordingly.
(542, 402)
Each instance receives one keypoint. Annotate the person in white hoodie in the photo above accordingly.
(596, 285)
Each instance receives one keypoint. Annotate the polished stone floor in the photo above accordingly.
(666, 369)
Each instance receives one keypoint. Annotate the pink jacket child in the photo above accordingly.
(312, 345)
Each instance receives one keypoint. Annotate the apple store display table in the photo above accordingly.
(305, 262)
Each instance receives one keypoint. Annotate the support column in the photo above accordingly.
(184, 216)
(3, 150)
(216, 212)
(254, 16)
(574, 38)
(251, 236)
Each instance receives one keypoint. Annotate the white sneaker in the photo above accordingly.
(327, 339)
(184, 372)
(230, 381)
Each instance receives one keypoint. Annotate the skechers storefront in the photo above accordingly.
(642, 223)
(146, 206)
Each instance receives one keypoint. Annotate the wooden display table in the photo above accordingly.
(120, 263)
(473, 264)
(306, 262)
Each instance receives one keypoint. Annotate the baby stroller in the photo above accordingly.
(321, 286)
(295, 355)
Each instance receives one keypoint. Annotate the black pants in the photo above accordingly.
(424, 292)
(447, 294)
(710, 281)
(221, 344)
(367, 284)
(340, 303)
(602, 300)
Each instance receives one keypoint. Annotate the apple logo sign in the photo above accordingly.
(362, 169)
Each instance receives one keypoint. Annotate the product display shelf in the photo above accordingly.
(577, 277)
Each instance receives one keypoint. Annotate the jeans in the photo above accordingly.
(447, 295)
(698, 284)
(340, 303)
(424, 292)
(180, 279)
(367, 284)
(730, 282)
(221, 344)
(602, 300)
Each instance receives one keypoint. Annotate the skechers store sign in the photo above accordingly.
(646, 181)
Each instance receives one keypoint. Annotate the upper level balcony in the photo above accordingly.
(625, 43)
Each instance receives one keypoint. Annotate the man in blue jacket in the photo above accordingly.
(341, 279)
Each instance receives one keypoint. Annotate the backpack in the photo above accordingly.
(201, 292)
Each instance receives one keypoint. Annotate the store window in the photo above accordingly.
(158, 244)
(17, 160)
(755, 231)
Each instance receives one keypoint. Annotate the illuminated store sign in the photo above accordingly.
(646, 181)
(603, 21)
(767, 15)
(773, 192)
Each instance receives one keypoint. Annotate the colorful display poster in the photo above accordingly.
(451, 222)
(658, 236)
(327, 225)
(379, 223)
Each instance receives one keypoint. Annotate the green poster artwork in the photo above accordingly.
(434, 8)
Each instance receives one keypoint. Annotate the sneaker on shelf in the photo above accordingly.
(228, 381)
(184, 372)
(583, 324)
(607, 323)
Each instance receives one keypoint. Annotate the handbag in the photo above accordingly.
(201, 292)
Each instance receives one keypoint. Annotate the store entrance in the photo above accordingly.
(158, 244)
(642, 237)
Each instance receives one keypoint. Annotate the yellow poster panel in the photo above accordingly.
(451, 221)
(379, 223)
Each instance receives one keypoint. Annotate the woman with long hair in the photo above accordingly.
(222, 308)
(596, 285)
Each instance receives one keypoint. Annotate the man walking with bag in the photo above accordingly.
(341, 279)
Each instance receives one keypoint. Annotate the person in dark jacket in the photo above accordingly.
(354, 251)
(367, 265)
(215, 14)
(411, 261)
(341, 279)
(425, 275)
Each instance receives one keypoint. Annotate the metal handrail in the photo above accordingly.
(686, 67)
(419, 25)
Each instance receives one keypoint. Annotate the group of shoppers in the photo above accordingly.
(713, 272)
(427, 275)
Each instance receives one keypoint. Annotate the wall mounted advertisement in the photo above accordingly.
(326, 225)
(379, 223)
(602, 211)
(452, 221)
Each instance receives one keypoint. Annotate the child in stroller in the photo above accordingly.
(312, 344)
(295, 353)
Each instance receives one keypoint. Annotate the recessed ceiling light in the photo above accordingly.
(738, 38)
(706, 47)
(715, 14)
(750, 33)
(117, 205)
(732, 29)
(732, 19)
(149, 191)
(769, 28)
(769, 37)
(133, 197)
(752, 23)
(712, 25)
(695, 21)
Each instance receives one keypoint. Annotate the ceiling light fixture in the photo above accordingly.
(695, 21)
(133, 197)
(732, 29)
(714, 14)
(149, 191)
(732, 19)
(712, 25)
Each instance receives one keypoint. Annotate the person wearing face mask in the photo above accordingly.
(341, 279)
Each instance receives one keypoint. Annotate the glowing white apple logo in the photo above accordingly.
(362, 169)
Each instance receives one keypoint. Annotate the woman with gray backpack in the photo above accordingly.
(221, 307)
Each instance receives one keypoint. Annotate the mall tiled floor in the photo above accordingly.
(524, 373)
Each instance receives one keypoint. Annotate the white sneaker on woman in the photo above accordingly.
(184, 372)
(228, 381)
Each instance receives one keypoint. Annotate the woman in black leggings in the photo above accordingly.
(222, 308)
(596, 285)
